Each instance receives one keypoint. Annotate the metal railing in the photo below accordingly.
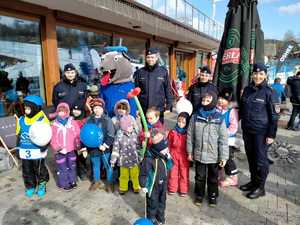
(186, 13)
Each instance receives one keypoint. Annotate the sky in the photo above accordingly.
(276, 16)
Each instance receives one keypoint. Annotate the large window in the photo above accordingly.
(136, 48)
(83, 49)
(21, 70)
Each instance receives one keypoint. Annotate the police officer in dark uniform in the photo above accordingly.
(259, 113)
(154, 82)
(203, 85)
(294, 85)
(70, 89)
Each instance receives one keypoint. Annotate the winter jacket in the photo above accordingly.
(113, 93)
(108, 130)
(116, 119)
(157, 125)
(69, 93)
(231, 120)
(125, 149)
(26, 148)
(153, 171)
(65, 136)
(177, 143)
(207, 138)
(155, 87)
(196, 91)
(279, 90)
(294, 83)
(259, 110)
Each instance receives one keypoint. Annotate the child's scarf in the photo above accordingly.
(62, 121)
(180, 130)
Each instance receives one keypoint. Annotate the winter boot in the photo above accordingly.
(96, 185)
(41, 192)
(29, 192)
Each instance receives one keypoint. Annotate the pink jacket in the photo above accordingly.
(65, 137)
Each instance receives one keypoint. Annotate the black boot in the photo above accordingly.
(256, 193)
(248, 187)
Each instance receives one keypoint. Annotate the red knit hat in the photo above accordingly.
(126, 122)
(97, 102)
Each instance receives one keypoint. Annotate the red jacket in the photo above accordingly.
(177, 143)
(157, 125)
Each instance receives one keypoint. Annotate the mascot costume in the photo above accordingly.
(116, 81)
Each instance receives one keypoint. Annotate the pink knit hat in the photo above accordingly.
(126, 122)
(64, 106)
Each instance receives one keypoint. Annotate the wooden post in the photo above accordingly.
(50, 54)
(172, 63)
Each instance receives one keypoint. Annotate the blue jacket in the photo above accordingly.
(279, 91)
(113, 93)
(69, 93)
(259, 110)
(155, 87)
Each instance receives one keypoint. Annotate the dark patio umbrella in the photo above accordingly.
(242, 45)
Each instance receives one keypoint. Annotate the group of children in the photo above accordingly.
(206, 137)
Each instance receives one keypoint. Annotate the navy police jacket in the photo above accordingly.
(294, 83)
(155, 87)
(67, 92)
(197, 90)
(259, 110)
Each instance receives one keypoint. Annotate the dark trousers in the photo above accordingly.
(206, 173)
(156, 203)
(295, 112)
(81, 164)
(66, 169)
(257, 155)
(34, 172)
(230, 167)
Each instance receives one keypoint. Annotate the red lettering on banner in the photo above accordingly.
(231, 55)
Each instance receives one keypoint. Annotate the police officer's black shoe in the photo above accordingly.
(258, 192)
(247, 187)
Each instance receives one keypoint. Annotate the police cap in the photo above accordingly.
(260, 67)
(151, 51)
(69, 67)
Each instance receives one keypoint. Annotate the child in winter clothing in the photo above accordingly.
(101, 155)
(179, 175)
(230, 117)
(78, 113)
(152, 116)
(122, 108)
(207, 145)
(125, 150)
(35, 173)
(64, 142)
(153, 176)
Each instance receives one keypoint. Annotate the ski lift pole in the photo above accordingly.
(133, 94)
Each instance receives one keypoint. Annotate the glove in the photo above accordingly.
(102, 148)
(145, 190)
